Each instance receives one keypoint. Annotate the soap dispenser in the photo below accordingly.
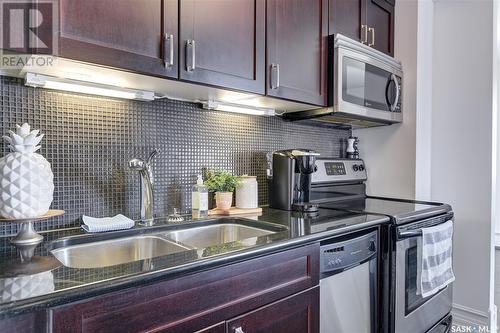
(199, 202)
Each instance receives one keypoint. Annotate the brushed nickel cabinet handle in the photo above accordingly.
(372, 30)
(190, 55)
(275, 76)
(168, 50)
(364, 33)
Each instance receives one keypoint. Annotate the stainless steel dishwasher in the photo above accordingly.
(348, 285)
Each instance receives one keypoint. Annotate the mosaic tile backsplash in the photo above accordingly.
(89, 140)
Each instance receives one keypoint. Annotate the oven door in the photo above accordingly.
(367, 87)
(414, 314)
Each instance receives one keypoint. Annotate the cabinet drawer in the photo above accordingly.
(196, 301)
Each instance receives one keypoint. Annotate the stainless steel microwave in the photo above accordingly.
(365, 87)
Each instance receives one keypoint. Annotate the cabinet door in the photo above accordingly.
(297, 50)
(295, 314)
(380, 20)
(346, 17)
(127, 34)
(223, 43)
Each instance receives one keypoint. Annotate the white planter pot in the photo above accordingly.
(223, 200)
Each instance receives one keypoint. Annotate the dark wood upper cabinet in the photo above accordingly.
(296, 314)
(297, 33)
(223, 43)
(380, 20)
(346, 17)
(128, 34)
(368, 21)
(273, 47)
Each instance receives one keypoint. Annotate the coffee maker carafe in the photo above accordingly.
(290, 182)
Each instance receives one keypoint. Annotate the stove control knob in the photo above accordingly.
(355, 167)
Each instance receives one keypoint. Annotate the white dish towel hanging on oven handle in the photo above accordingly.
(434, 263)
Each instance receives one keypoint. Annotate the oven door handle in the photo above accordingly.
(417, 232)
(409, 233)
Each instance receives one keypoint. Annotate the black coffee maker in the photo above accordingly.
(290, 180)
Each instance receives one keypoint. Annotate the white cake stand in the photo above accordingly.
(26, 240)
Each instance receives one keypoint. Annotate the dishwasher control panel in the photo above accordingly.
(348, 253)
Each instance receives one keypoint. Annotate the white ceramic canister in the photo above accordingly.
(247, 193)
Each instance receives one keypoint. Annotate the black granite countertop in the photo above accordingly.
(25, 293)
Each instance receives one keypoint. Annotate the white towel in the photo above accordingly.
(117, 222)
(435, 259)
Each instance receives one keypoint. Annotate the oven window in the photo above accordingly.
(412, 300)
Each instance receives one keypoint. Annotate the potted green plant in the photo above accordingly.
(223, 183)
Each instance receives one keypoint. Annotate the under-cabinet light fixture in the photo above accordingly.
(238, 108)
(84, 87)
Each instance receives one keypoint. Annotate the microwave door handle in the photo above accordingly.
(409, 234)
(396, 99)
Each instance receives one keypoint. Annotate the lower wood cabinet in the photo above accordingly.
(33, 322)
(264, 294)
(295, 314)
(217, 328)
(298, 313)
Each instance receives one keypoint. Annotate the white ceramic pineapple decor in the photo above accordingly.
(26, 180)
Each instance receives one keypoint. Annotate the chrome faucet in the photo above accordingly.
(146, 195)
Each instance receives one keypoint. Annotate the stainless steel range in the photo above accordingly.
(404, 310)
(339, 185)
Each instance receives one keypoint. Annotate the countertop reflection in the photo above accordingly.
(63, 284)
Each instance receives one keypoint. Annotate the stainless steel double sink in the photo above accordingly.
(114, 248)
